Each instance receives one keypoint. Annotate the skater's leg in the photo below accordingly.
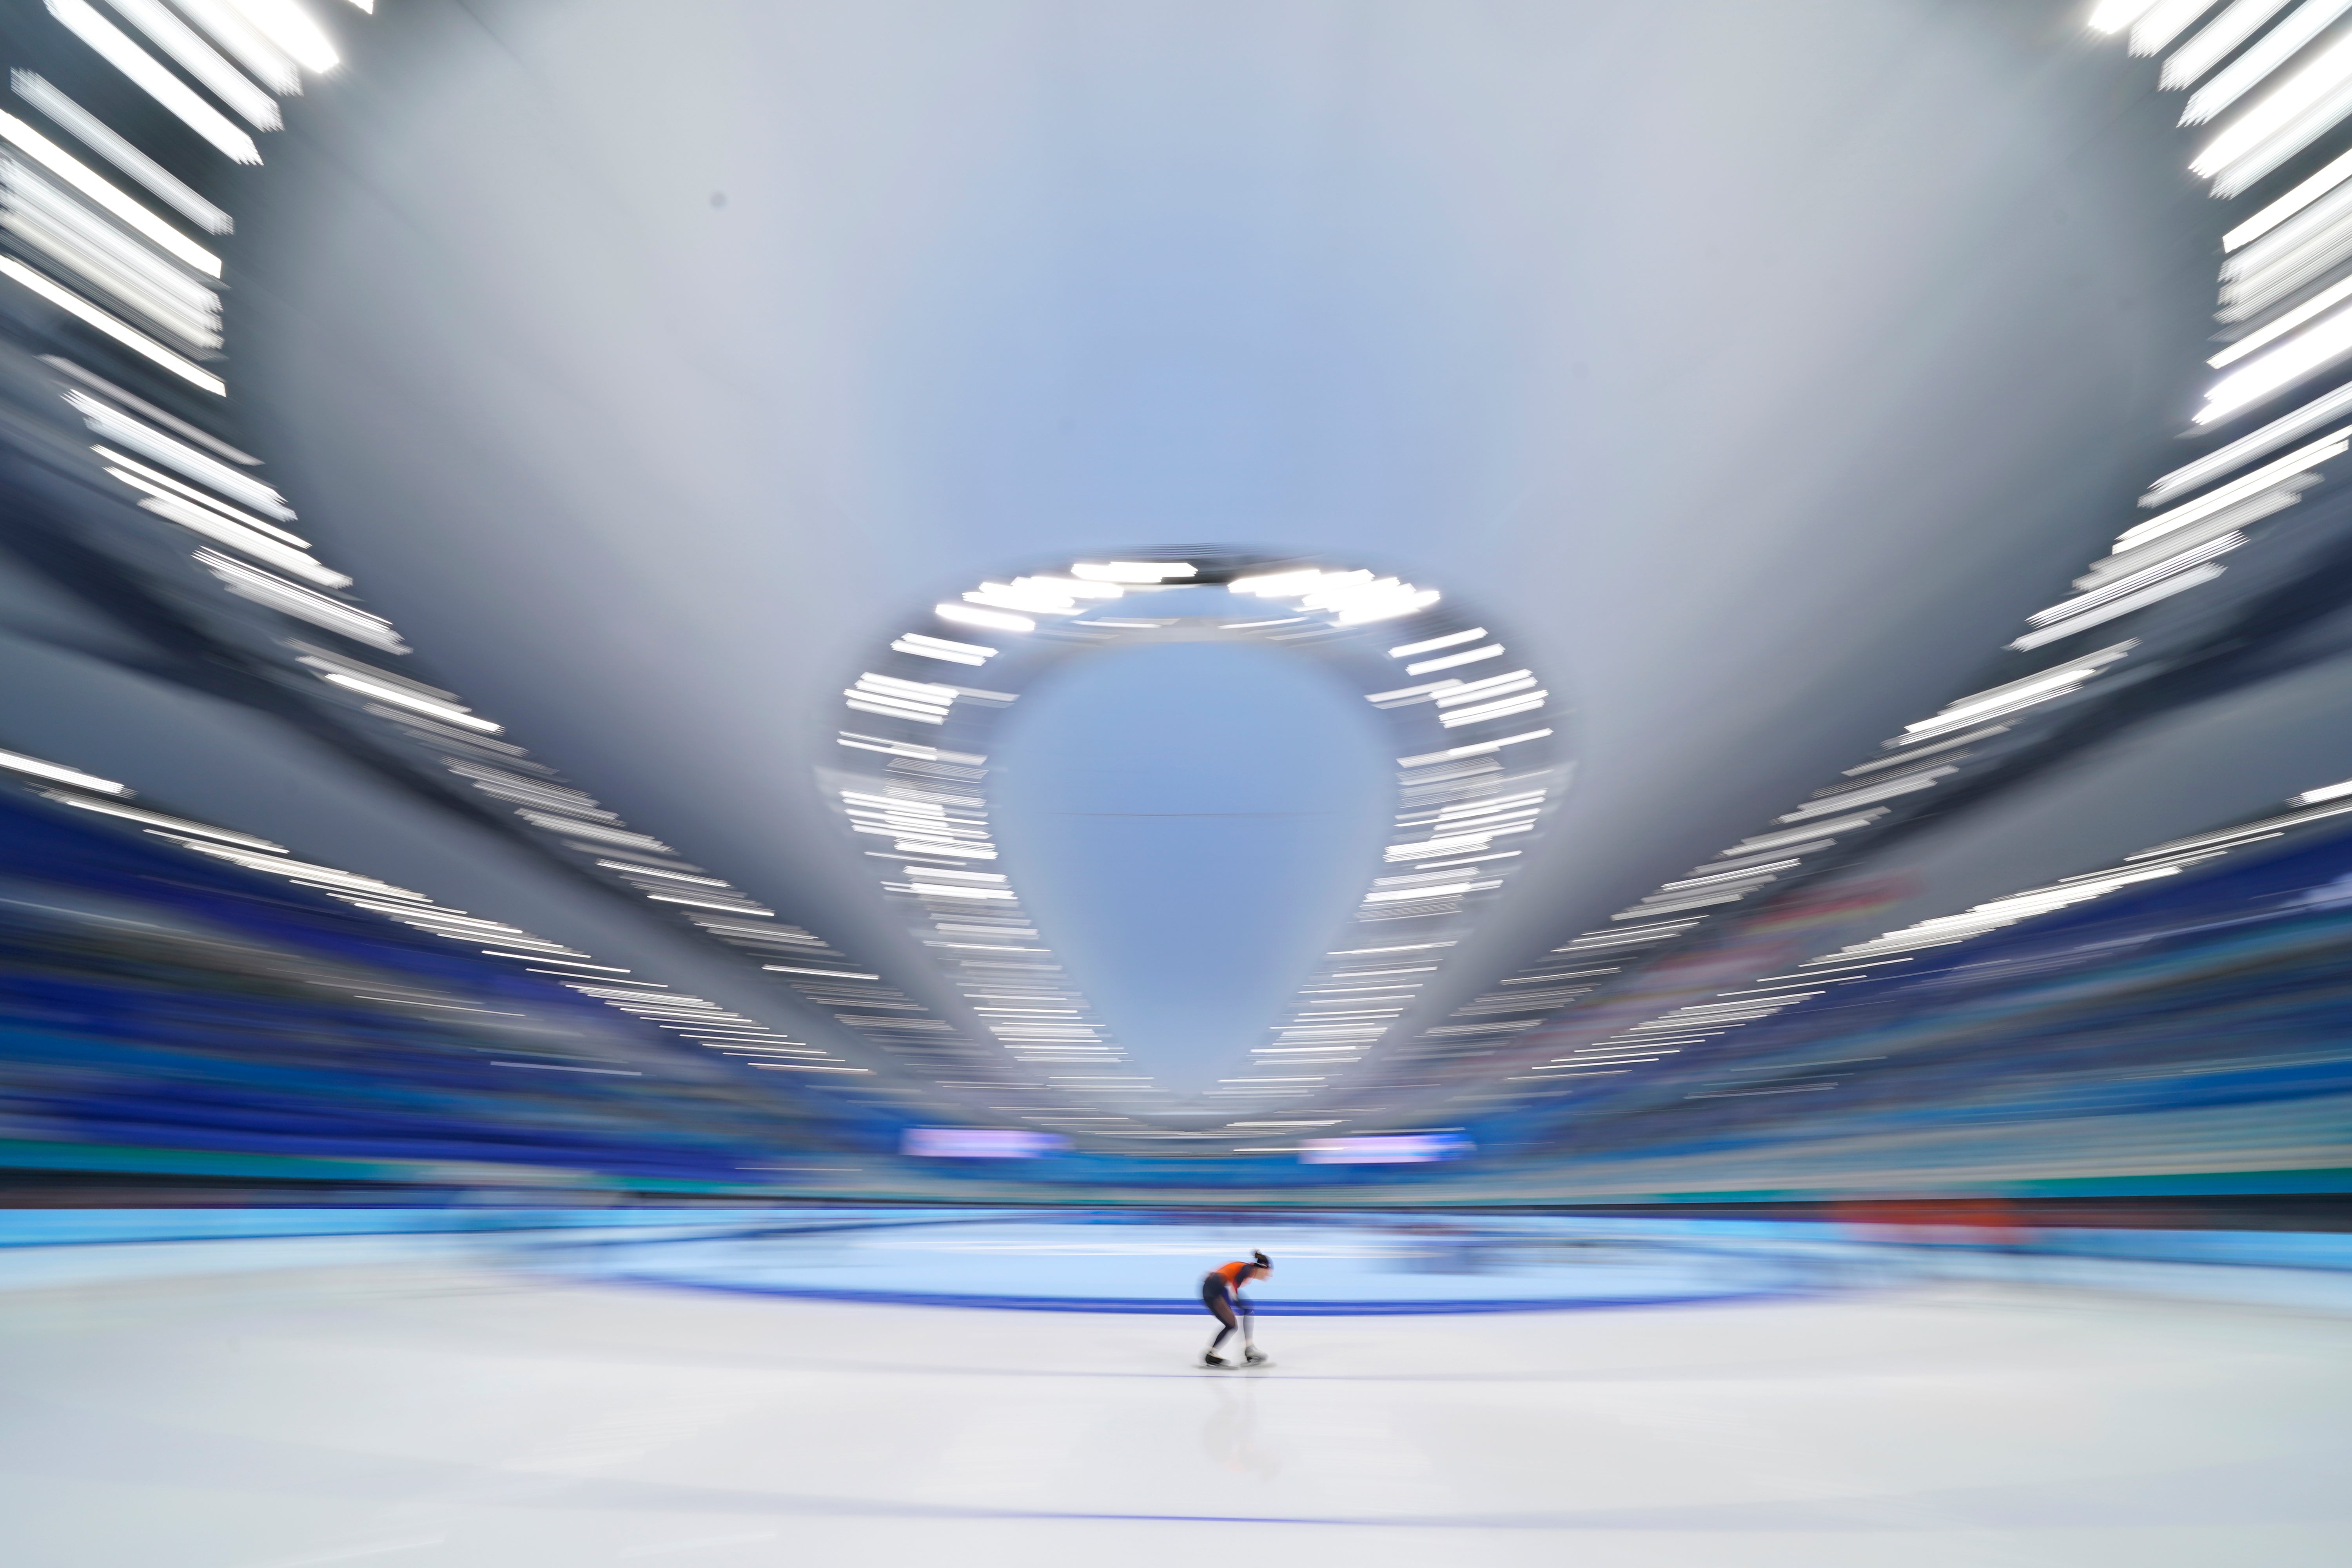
(1222, 1305)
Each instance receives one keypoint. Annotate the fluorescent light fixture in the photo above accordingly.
(2317, 305)
(94, 134)
(2288, 205)
(2249, 70)
(894, 711)
(230, 29)
(81, 177)
(330, 876)
(1862, 795)
(943, 648)
(1455, 692)
(1592, 1061)
(2172, 580)
(155, 477)
(220, 529)
(2115, 15)
(67, 367)
(630, 868)
(2325, 449)
(2164, 22)
(2047, 681)
(2216, 39)
(1143, 571)
(2282, 111)
(2246, 448)
(2325, 791)
(2283, 367)
(930, 694)
(115, 48)
(1811, 830)
(1479, 749)
(2045, 687)
(115, 425)
(1451, 639)
(201, 60)
(128, 337)
(1040, 595)
(157, 820)
(1742, 873)
(400, 696)
(972, 616)
(103, 257)
(57, 773)
(287, 25)
(1527, 703)
(1361, 611)
(1446, 889)
(1492, 650)
(1279, 584)
(2301, 250)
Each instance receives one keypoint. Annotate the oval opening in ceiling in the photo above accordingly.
(1192, 820)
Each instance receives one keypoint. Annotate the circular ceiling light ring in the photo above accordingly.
(1480, 764)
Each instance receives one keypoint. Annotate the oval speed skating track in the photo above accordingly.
(485, 1415)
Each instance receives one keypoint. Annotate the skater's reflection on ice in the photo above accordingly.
(1232, 1437)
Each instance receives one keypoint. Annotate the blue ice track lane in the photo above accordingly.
(1039, 1264)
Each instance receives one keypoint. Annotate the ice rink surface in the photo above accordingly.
(1331, 1265)
(475, 1415)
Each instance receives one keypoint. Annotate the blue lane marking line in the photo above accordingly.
(1172, 1308)
(1355, 1266)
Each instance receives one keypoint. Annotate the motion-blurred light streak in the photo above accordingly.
(1472, 656)
(101, 139)
(115, 48)
(2115, 15)
(2300, 357)
(59, 773)
(2292, 203)
(114, 424)
(154, 481)
(2255, 67)
(107, 258)
(405, 698)
(303, 604)
(2165, 21)
(2177, 582)
(293, 30)
(2213, 42)
(202, 61)
(246, 44)
(130, 337)
(1998, 701)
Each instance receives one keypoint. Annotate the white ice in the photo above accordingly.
(460, 1415)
